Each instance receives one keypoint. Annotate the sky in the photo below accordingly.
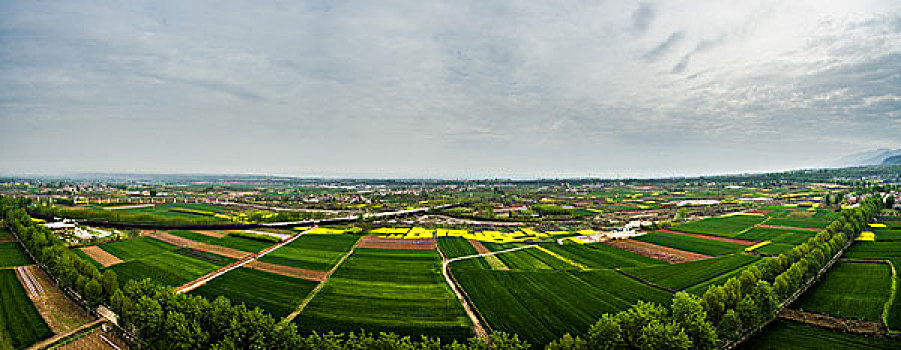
(447, 89)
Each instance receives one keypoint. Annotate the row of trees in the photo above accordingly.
(163, 319)
(728, 312)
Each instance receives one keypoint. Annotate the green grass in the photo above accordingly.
(684, 275)
(314, 252)
(20, 323)
(774, 248)
(11, 254)
(167, 268)
(234, 242)
(728, 226)
(399, 291)
(533, 259)
(601, 256)
(799, 222)
(691, 244)
(873, 250)
(777, 235)
(276, 294)
(783, 334)
(893, 319)
(887, 234)
(136, 248)
(5, 235)
(541, 306)
(850, 290)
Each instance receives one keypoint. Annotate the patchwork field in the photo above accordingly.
(850, 290)
(799, 222)
(541, 306)
(601, 256)
(684, 275)
(233, 242)
(691, 244)
(136, 248)
(776, 235)
(454, 247)
(314, 252)
(11, 254)
(782, 334)
(172, 268)
(728, 226)
(395, 290)
(20, 323)
(887, 234)
(276, 294)
(873, 250)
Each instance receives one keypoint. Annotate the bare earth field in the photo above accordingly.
(714, 238)
(656, 251)
(101, 256)
(383, 243)
(60, 313)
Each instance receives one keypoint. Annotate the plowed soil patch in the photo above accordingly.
(656, 251)
(289, 271)
(211, 234)
(224, 251)
(387, 243)
(832, 322)
(479, 246)
(792, 228)
(174, 240)
(714, 238)
(101, 256)
(60, 313)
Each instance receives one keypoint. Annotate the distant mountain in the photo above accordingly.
(874, 157)
(893, 160)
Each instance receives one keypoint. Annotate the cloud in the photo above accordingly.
(642, 17)
(665, 46)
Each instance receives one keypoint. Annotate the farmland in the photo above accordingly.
(314, 252)
(873, 250)
(136, 248)
(547, 304)
(684, 275)
(11, 254)
(783, 334)
(728, 226)
(275, 294)
(227, 241)
(412, 299)
(776, 235)
(851, 290)
(170, 268)
(601, 256)
(691, 244)
(20, 323)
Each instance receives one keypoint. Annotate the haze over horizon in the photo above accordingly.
(446, 89)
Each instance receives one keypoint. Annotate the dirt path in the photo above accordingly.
(654, 251)
(832, 322)
(174, 240)
(492, 260)
(58, 337)
(99, 340)
(712, 237)
(290, 271)
(101, 256)
(388, 243)
(211, 234)
(60, 313)
(792, 228)
(210, 248)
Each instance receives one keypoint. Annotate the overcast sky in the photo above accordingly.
(446, 89)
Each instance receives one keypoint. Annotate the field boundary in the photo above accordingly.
(101, 256)
(888, 304)
(642, 280)
(303, 304)
(492, 260)
(712, 237)
(791, 228)
(656, 251)
(825, 321)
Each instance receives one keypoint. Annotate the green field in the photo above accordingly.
(799, 222)
(315, 252)
(541, 306)
(777, 235)
(11, 254)
(234, 242)
(454, 247)
(873, 250)
(893, 321)
(887, 234)
(84, 256)
(276, 294)
(136, 248)
(691, 244)
(601, 256)
(399, 291)
(727, 226)
(782, 334)
(168, 268)
(533, 259)
(774, 248)
(684, 275)
(20, 323)
(5, 235)
(850, 290)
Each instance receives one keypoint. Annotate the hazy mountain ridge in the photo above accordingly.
(874, 157)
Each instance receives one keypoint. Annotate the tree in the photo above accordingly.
(568, 342)
(109, 282)
(607, 333)
(93, 292)
(714, 303)
(688, 314)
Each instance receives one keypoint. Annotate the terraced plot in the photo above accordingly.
(850, 290)
(541, 306)
(776, 235)
(728, 226)
(20, 323)
(168, 268)
(685, 275)
(11, 254)
(276, 294)
(391, 290)
(314, 252)
(783, 334)
(691, 244)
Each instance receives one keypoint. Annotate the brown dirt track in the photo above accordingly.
(656, 251)
(714, 238)
(211, 234)
(289, 271)
(792, 228)
(101, 256)
(96, 340)
(479, 246)
(832, 322)
(174, 240)
(387, 243)
(210, 248)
